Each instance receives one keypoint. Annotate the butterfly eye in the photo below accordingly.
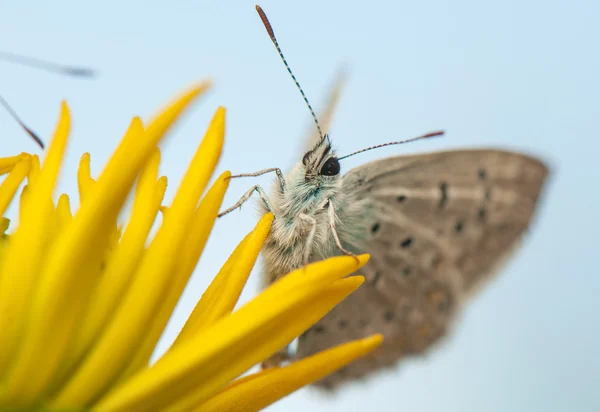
(331, 167)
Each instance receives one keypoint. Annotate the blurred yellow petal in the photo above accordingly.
(7, 163)
(84, 176)
(257, 391)
(199, 230)
(63, 211)
(54, 315)
(4, 223)
(203, 364)
(12, 182)
(24, 255)
(139, 305)
(121, 267)
(34, 171)
(222, 294)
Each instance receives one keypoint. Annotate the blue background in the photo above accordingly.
(513, 74)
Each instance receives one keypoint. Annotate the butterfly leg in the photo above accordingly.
(264, 171)
(311, 235)
(336, 237)
(245, 197)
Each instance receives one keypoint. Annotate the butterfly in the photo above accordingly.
(437, 227)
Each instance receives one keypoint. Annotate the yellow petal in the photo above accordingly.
(84, 176)
(4, 223)
(34, 172)
(12, 182)
(120, 269)
(62, 291)
(63, 212)
(202, 365)
(26, 250)
(257, 391)
(131, 320)
(191, 249)
(7, 163)
(220, 297)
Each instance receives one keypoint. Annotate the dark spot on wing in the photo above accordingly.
(388, 316)
(400, 198)
(319, 328)
(481, 214)
(482, 174)
(443, 194)
(407, 242)
(406, 271)
(343, 323)
(375, 228)
(459, 226)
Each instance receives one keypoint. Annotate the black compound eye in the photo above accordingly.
(331, 167)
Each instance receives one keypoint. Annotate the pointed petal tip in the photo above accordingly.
(363, 259)
(225, 176)
(267, 219)
(373, 340)
(136, 123)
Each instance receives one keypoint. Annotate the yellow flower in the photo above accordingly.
(83, 301)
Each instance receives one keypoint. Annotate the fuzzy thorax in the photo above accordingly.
(306, 192)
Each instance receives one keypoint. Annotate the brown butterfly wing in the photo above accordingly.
(442, 223)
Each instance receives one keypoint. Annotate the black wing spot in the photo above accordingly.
(401, 198)
(482, 213)
(319, 328)
(444, 194)
(388, 316)
(482, 174)
(342, 324)
(406, 271)
(375, 228)
(407, 242)
(459, 226)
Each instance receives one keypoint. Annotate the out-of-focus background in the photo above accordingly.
(511, 74)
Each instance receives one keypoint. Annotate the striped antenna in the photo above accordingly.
(271, 33)
(425, 136)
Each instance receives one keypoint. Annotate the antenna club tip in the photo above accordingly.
(435, 134)
(266, 23)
